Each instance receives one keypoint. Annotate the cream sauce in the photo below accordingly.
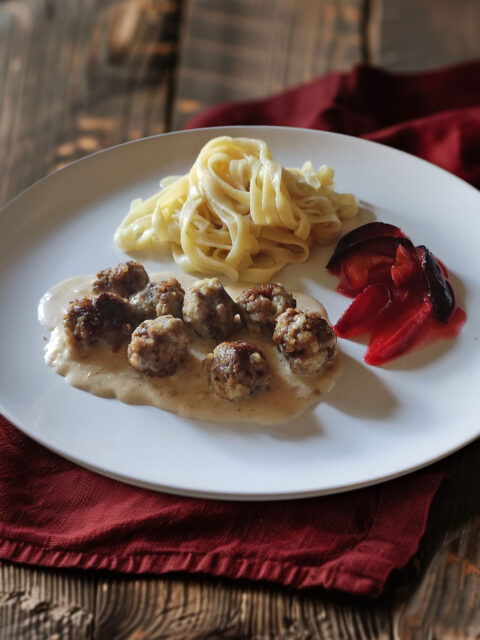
(187, 393)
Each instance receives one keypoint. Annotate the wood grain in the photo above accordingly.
(197, 609)
(410, 35)
(444, 599)
(260, 47)
(38, 604)
(81, 75)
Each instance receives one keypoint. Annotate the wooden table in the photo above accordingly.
(81, 75)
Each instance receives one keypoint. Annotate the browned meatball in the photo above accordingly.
(158, 347)
(307, 341)
(159, 299)
(260, 306)
(124, 279)
(105, 317)
(208, 309)
(237, 370)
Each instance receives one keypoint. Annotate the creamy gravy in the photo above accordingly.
(186, 393)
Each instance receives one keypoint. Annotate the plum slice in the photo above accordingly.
(368, 262)
(360, 269)
(364, 310)
(400, 291)
(397, 338)
(440, 291)
(361, 235)
(406, 267)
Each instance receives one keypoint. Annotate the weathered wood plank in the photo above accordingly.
(196, 609)
(248, 48)
(38, 604)
(81, 76)
(445, 600)
(410, 35)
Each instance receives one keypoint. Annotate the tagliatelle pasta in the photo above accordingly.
(238, 213)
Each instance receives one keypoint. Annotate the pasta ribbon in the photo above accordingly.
(238, 213)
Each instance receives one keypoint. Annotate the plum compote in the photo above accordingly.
(401, 292)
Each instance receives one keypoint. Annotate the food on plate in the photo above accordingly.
(364, 310)
(238, 213)
(439, 289)
(159, 299)
(224, 371)
(104, 317)
(260, 306)
(306, 340)
(158, 347)
(208, 309)
(125, 279)
(401, 292)
(360, 235)
(237, 370)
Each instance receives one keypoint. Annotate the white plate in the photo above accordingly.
(378, 423)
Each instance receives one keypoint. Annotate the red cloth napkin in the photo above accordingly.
(54, 513)
(434, 115)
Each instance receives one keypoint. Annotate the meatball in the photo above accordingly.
(208, 309)
(158, 347)
(159, 299)
(124, 279)
(105, 317)
(307, 341)
(237, 370)
(260, 306)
